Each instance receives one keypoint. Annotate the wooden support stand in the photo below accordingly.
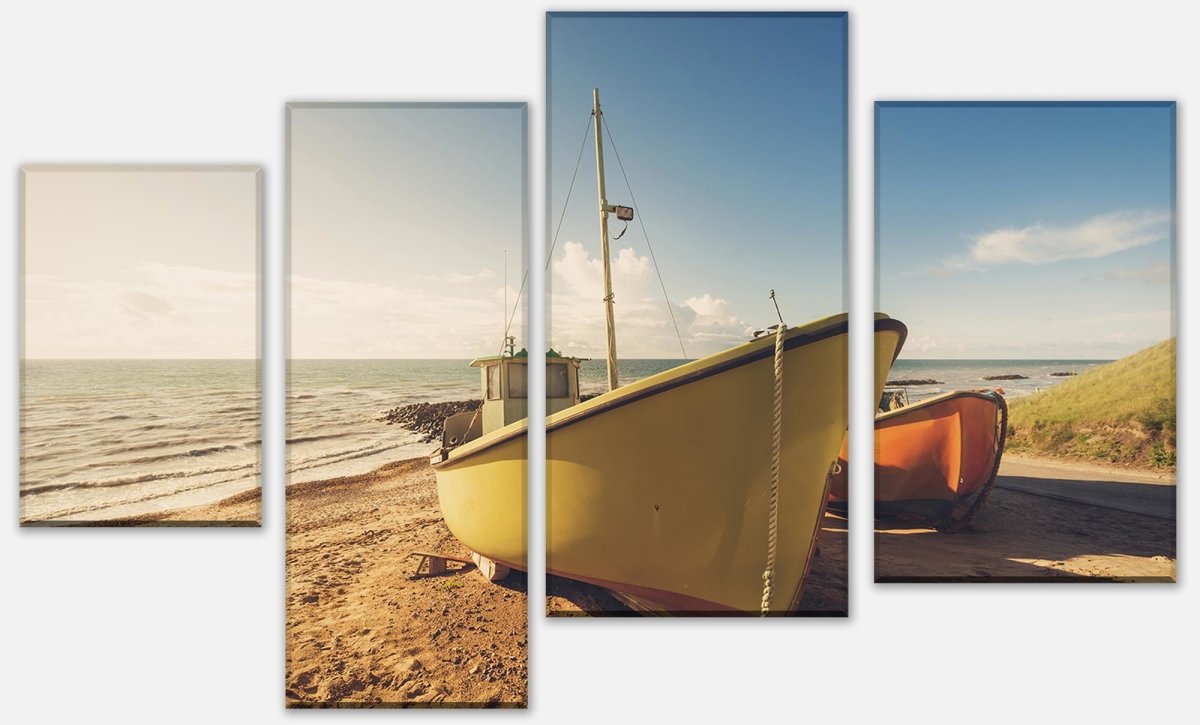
(436, 564)
(429, 564)
(491, 570)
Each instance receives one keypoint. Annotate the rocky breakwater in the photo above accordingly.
(427, 418)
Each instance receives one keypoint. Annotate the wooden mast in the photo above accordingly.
(604, 208)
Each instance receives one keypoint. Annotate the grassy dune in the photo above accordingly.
(1122, 412)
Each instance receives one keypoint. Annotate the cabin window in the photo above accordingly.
(557, 383)
(517, 382)
(493, 382)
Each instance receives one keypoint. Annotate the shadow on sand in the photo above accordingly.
(1038, 529)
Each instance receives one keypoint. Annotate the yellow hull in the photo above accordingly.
(481, 491)
(659, 490)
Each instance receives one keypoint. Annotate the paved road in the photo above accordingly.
(1149, 494)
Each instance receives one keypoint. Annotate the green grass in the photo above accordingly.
(1122, 412)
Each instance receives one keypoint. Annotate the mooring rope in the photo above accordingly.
(773, 503)
(951, 524)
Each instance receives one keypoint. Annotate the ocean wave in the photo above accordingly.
(341, 457)
(194, 453)
(57, 453)
(57, 514)
(131, 480)
(161, 443)
(310, 439)
(353, 452)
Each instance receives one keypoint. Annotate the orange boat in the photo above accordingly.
(935, 461)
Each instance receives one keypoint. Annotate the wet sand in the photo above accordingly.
(1047, 520)
(243, 509)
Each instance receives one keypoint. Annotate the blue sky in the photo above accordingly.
(732, 131)
(400, 219)
(1025, 231)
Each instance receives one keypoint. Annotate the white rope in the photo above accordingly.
(773, 504)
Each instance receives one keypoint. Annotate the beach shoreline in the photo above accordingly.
(242, 509)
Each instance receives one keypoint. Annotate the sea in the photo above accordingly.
(103, 439)
(335, 406)
(334, 409)
(970, 374)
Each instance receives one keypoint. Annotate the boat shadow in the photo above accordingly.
(1041, 529)
(570, 598)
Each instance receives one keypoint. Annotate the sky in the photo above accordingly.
(1026, 231)
(401, 218)
(731, 130)
(140, 262)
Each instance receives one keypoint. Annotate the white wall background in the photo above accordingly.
(146, 625)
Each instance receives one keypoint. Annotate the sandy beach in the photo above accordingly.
(1047, 519)
(362, 632)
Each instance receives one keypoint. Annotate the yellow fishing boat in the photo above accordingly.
(659, 490)
(683, 492)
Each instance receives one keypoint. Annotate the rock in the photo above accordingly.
(1062, 374)
(1010, 376)
(915, 381)
(427, 418)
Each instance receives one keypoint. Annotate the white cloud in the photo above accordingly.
(483, 274)
(1041, 244)
(150, 310)
(643, 321)
(925, 345)
(1153, 275)
(143, 305)
(341, 319)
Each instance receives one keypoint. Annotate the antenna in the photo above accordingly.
(777, 312)
(504, 312)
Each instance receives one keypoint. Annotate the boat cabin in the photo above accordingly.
(504, 382)
(562, 381)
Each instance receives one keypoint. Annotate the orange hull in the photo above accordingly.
(936, 460)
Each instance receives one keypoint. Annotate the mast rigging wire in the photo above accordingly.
(657, 271)
(550, 255)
